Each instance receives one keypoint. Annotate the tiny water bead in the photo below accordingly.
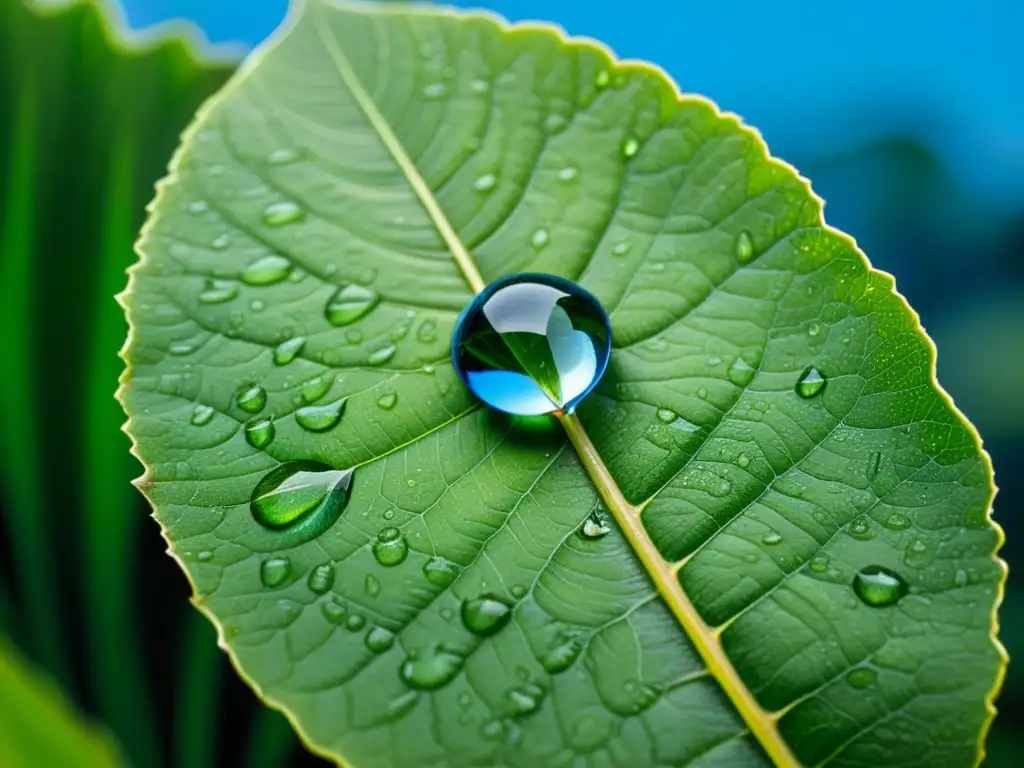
(532, 344)
(201, 415)
(878, 586)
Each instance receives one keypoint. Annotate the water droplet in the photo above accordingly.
(350, 303)
(569, 173)
(282, 156)
(181, 349)
(202, 415)
(740, 373)
(897, 521)
(288, 350)
(391, 547)
(251, 399)
(431, 670)
(532, 344)
(314, 389)
(302, 496)
(440, 572)
(197, 206)
(525, 699)
(479, 86)
(371, 585)
(874, 462)
(279, 214)
(594, 527)
(382, 355)
(621, 248)
(630, 147)
(861, 529)
(355, 622)
(387, 401)
(486, 615)
(667, 416)
(540, 238)
(275, 571)
(320, 418)
(379, 639)
(771, 538)
(401, 705)
(321, 578)
(602, 79)
(354, 336)
(485, 183)
(267, 270)
(218, 292)
(260, 433)
(960, 579)
(743, 461)
(813, 329)
(427, 332)
(811, 383)
(221, 242)
(435, 91)
(560, 657)
(819, 564)
(861, 677)
(744, 247)
(878, 586)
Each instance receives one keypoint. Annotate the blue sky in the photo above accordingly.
(815, 77)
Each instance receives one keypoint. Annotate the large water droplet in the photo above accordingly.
(525, 699)
(387, 401)
(391, 547)
(260, 432)
(379, 639)
(861, 677)
(382, 355)
(349, 303)
(532, 344)
(279, 214)
(430, 670)
(288, 350)
(811, 383)
(320, 418)
(560, 657)
(321, 578)
(303, 497)
(878, 586)
(267, 270)
(485, 615)
(201, 415)
(218, 291)
(440, 572)
(251, 399)
(744, 247)
(275, 571)
(314, 389)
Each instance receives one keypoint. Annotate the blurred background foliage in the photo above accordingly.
(908, 119)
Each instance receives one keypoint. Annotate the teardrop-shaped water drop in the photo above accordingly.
(218, 292)
(744, 247)
(314, 389)
(379, 639)
(391, 548)
(382, 355)
(350, 303)
(275, 571)
(430, 670)
(561, 656)
(321, 578)
(279, 214)
(288, 350)
(594, 527)
(440, 572)
(260, 432)
(811, 383)
(740, 373)
(387, 401)
(532, 344)
(371, 585)
(251, 399)
(878, 586)
(201, 415)
(320, 418)
(486, 615)
(267, 270)
(742, 461)
(303, 496)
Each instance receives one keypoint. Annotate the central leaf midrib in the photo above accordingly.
(761, 723)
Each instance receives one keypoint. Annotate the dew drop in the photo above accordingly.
(479, 86)
(282, 156)
(334, 612)
(740, 373)
(304, 496)
(811, 383)
(371, 585)
(813, 329)
(666, 416)
(861, 529)
(594, 527)
(275, 571)
(819, 564)
(440, 572)
(630, 147)
(554, 123)
(350, 303)
(181, 349)
(260, 432)
(485, 615)
(218, 292)
(314, 389)
(251, 399)
(878, 586)
(355, 622)
(960, 578)
(288, 350)
(321, 578)
(744, 247)
(427, 332)
(861, 677)
(485, 183)
(354, 336)
(279, 214)
(267, 270)
(602, 79)
(201, 415)
(621, 248)
(220, 242)
(435, 91)
(379, 639)
(387, 401)
(771, 538)
(382, 355)
(525, 699)
(897, 521)
(432, 670)
(569, 173)
(320, 418)
(391, 547)
(560, 657)
(540, 238)
(743, 461)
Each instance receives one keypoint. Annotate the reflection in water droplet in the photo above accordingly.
(314, 389)
(861, 677)
(485, 183)
(371, 585)
(485, 615)
(811, 383)
(440, 572)
(321, 578)
(260, 433)
(878, 586)
(218, 292)
(382, 355)
(350, 303)
(532, 344)
(300, 495)
(666, 416)
(630, 147)
(279, 214)
(202, 415)
(320, 418)
(275, 571)
(391, 548)
(288, 350)
(379, 639)
(744, 247)
(594, 527)
(430, 670)
(251, 399)
(387, 401)
(267, 270)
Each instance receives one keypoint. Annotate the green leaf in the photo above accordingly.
(38, 726)
(770, 415)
